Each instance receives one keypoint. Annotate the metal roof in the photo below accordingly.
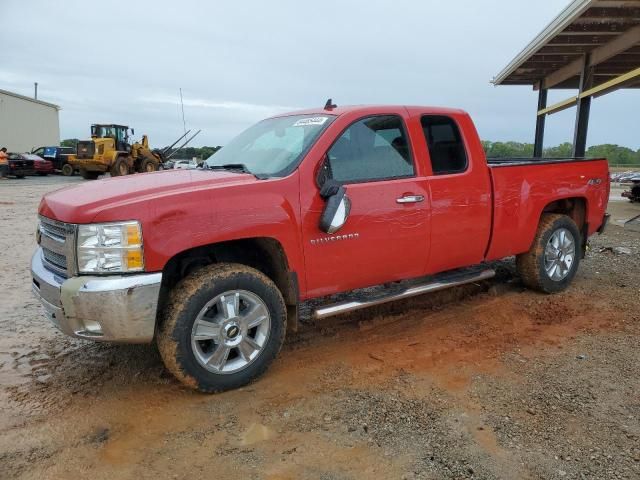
(22, 97)
(607, 30)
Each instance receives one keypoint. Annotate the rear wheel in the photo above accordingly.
(148, 166)
(222, 328)
(67, 170)
(552, 261)
(89, 175)
(120, 167)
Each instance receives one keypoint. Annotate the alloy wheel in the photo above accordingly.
(559, 254)
(230, 331)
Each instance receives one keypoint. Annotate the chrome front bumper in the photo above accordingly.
(109, 308)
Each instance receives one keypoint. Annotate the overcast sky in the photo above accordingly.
(237, 62)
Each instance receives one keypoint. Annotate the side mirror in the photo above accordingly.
(133, 132)
(336, 211)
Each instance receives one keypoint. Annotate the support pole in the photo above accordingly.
(582, 114)
(539, 140)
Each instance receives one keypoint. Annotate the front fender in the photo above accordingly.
(182, 220)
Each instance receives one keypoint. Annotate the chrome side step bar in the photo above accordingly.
(444, 282)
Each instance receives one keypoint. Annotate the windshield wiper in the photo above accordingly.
(240, 167)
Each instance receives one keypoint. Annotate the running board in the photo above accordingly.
(439, 283)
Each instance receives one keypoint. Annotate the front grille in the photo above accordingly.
(57, 230)
(54, 258)
(57, 241)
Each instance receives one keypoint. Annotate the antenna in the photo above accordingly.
(330, 105)
(184, 125)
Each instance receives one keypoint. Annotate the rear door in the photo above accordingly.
(385, 237)
(461, 203)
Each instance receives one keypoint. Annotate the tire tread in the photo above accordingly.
(530, 264)
(171, 328)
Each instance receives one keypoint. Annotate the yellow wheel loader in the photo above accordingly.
(110, 150)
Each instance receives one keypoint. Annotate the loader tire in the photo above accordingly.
(222, 327)
(89, 175)
(120, 167)
(552, 261)
(148, 166)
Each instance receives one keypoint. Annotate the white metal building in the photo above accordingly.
(27, 123)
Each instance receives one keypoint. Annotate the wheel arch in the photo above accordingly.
(577, 209)
(265, 254)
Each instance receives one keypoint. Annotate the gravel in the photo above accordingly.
(489, 381)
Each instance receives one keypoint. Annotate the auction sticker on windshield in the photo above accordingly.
(305, 122)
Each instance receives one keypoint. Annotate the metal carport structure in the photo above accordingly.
(592, 46)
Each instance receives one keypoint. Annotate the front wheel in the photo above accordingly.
(148, 166)
(120, 167)
(552, 261)
(222, 328)
(67, 170)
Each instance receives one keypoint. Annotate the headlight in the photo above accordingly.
(110, 248)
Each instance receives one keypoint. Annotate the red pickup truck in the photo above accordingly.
(213, 263)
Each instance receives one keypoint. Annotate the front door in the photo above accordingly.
(385, 237)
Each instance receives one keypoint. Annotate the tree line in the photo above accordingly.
(616, 154)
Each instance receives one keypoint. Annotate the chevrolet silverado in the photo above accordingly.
(212, 263)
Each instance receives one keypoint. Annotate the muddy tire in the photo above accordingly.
(89, 175)
(148, 166)
(222, 327)
(120, 167)
(67, 170)
(552, 262)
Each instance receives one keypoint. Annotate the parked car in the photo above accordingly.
(633, 194)
(40, 165)
(59, 157)
(20, 165)
(625, 177)
(185, 164)
(213, 263)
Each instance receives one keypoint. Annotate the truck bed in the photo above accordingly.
(523, 188)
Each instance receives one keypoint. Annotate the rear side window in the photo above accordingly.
(446, 147)
(374, 148)
(49, 152)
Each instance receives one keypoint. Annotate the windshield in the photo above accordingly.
(103, 131)
(272, 147)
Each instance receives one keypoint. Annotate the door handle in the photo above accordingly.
(410, 199)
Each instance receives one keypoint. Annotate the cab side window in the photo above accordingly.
(446, 147)
(371, 149)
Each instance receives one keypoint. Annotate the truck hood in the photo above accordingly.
(81, 203)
